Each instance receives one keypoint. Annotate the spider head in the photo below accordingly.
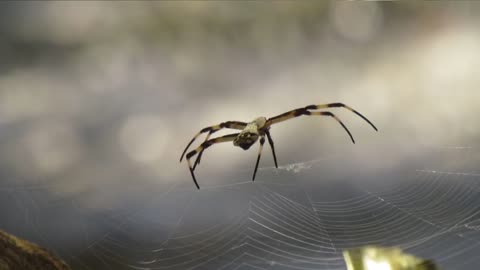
(245, 139)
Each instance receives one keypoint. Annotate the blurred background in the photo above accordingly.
(98, 100)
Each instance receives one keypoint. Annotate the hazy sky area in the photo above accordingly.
(99, 99)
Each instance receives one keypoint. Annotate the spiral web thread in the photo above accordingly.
(434, 213)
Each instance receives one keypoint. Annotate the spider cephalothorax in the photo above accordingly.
(258, 128)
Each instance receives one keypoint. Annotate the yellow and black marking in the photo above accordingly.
(262, 141)
(212, 129)
(205, 145)
(340, 105)
(260, 128)
(307, 111)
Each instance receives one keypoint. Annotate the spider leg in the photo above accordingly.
(336, 118)
(270, 141)
(199, 157)
(341, 105)
(286, 116)
(197, 160)
(204, 146)
(213, 129)
(304, 111)
(262, 141)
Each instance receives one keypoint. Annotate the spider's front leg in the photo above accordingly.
(202, 147)
(212, 129)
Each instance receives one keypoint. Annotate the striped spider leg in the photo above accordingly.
(205, 145)
(212, 129)
(258, 129)
(307, 111)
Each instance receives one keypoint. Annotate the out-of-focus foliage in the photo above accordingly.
(377, 258)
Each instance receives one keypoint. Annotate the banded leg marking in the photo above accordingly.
(340, 105)
(304, 111)
(212, 129)
(202, 147)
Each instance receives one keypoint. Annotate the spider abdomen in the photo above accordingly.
(248, 136)
(246, 139)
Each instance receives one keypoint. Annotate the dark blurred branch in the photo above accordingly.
(16, 253)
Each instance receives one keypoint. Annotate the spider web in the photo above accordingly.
(430, 209)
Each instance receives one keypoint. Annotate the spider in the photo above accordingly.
(258, 128)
